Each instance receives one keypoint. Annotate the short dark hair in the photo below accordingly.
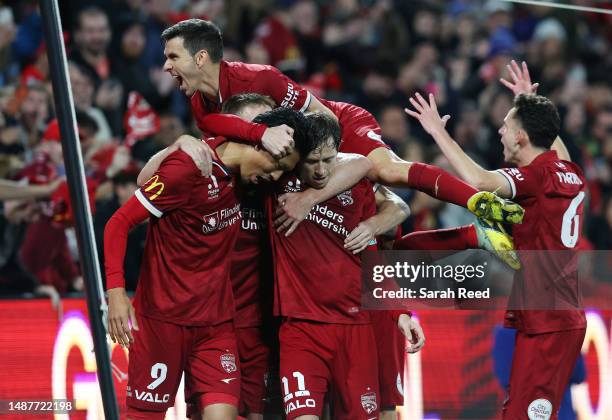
(237, 102)
(197, 34)
(293, 119)
(322, 127)
(538, 116)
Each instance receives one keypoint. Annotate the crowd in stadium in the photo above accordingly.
(374, 54)
(125, 65)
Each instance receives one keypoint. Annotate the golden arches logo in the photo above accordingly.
(154, 183)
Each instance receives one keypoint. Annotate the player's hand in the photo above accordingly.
(278, 140)
(427, 113)
(198, 151)
(292, 209)
(120, 314)
(521, 81)
(360, 237)
(411, 328)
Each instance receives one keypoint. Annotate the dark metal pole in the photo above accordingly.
(96, 303)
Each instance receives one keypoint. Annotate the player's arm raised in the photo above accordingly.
(349, 170)
(391, 211)
(468, 170)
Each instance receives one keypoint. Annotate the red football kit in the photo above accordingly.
(360, 132)
(183, 301)
(252, 283)
(549, 339)
(318, 292)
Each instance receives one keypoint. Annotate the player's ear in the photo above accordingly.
(201, 57)
(522, 137)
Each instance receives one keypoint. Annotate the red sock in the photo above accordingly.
(439, 184)
(459, 238)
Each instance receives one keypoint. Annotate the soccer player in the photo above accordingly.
(326, 340)
(552, 190)
(183, 308)
(251, 276)
(193, 52)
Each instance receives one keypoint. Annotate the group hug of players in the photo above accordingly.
(251, 278)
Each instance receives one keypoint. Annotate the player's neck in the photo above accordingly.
(528, 155)
(231, 154)
(209, 84)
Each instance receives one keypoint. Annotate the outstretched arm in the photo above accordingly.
(471, 172)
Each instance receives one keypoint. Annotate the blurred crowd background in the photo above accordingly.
(373, 53)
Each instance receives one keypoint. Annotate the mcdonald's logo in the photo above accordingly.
(153, 184)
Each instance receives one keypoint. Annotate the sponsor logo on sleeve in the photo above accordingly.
(154, 187)
(290, 97)
(515, 173)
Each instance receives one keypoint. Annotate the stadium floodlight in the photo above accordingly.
(96, 303)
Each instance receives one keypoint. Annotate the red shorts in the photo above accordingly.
(161, 352)
(541, 369)
(257, 369)
(360, 131)
(391, 348)
(317, 357)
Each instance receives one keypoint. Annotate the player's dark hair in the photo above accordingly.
(538, 116)
(323, 128)
(197, 35)
(293, 119)
(236, 103)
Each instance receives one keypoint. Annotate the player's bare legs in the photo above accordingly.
(307, 418)
(255, 416)
(220, 412)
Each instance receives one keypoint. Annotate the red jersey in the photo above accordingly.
(237, 77)
(361, 133)
(316, 278)
(552, 193)
(184, 277)
(251, 271)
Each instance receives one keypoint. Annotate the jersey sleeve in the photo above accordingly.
(283, 90)
(171, 185)
(524, 182)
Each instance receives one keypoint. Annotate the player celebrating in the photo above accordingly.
(324, 333)
(193, 52)
(552, 191)
(184, 290)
